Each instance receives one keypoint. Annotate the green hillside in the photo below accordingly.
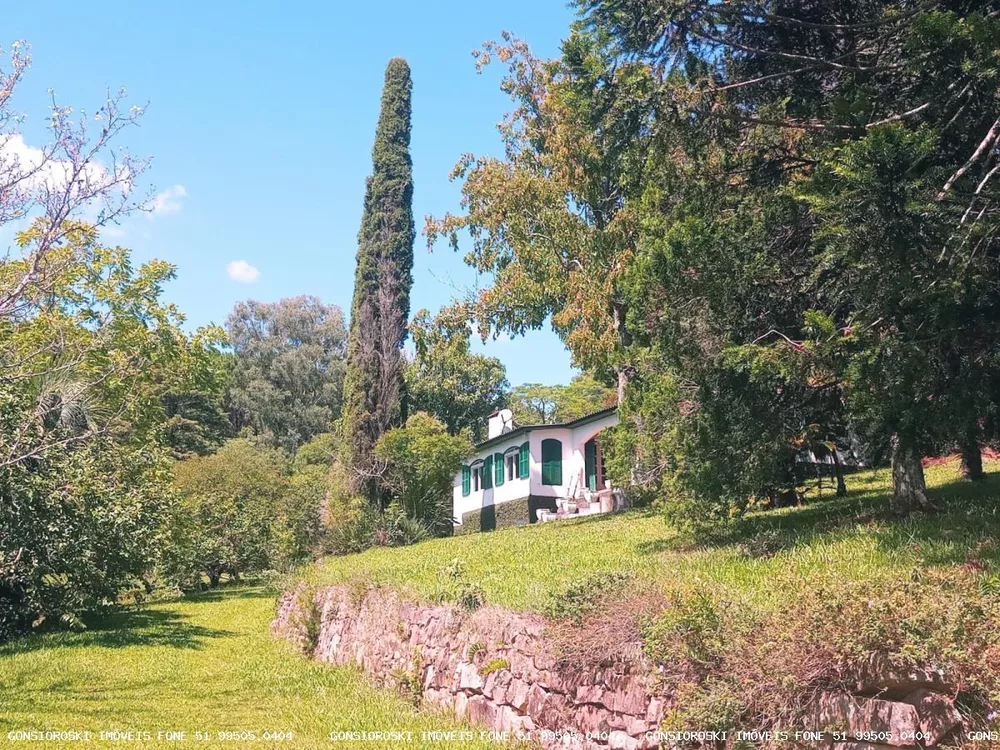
(208, 662)
(851, 539)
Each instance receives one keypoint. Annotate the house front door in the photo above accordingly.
(590, 463)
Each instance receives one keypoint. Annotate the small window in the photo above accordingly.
(551, 461)
(477, 477)
(488, 473)
(511, 460)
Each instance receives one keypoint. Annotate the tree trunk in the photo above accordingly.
(623, 378)
(838, 471)
(971, 467)
(909, 491)
(213, 578)
(618, 313)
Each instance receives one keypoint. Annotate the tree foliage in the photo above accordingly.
(445, 379)
(374, 387)
(846, 177)
(784, 212)
(534, 403)
(226, 519)
(551, 222)
(86, 361)
(421, 460)
(287, 368)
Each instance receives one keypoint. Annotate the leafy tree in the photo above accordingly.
(448, 381)
(197, 422)
(374, 388)
(421, 460)
(320, 452)
(534, 403)
(287, 368)
(301, 530)
(86, 361)
(553, 224)
(77, 528)
(61, 181)
(226, 519)
(835, 169)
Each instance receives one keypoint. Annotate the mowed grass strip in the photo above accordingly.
(205, 663)
(758, 559)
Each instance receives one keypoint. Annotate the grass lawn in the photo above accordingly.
(749, 560)
(203, 663)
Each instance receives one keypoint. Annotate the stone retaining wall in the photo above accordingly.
(893, 708)
(497, 669)
(492, 667)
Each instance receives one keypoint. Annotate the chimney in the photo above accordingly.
(499, 422)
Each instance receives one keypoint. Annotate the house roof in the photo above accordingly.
(594, 415)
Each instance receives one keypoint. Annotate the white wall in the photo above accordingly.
(566, 438)
(573, 458)
(584, 433)
(511, 489)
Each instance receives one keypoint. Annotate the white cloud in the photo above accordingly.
(41, 174)
(169, 201)
(243, 272)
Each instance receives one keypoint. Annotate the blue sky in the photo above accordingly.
(260, 123)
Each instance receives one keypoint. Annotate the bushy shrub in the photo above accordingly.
(76, 530)
(227, 517)
(341, 506)
(373, 528)
(303, 513)
(298, 528)
(421, 460)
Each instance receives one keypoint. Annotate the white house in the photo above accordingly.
(520, 475)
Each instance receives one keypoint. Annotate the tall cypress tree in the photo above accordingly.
(374, 391)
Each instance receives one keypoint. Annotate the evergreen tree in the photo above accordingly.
(837, 242)
(374, 388)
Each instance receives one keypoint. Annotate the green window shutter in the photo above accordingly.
(466, 481)
(488, 473)
(498, 468)
(523, 461)
(551, 462)
(590, 464)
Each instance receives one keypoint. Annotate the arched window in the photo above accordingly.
(551, 461)
(488, 473)
(511, 463)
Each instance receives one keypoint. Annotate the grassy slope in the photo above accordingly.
(846, 538)
(204, 663)
(208, 662)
